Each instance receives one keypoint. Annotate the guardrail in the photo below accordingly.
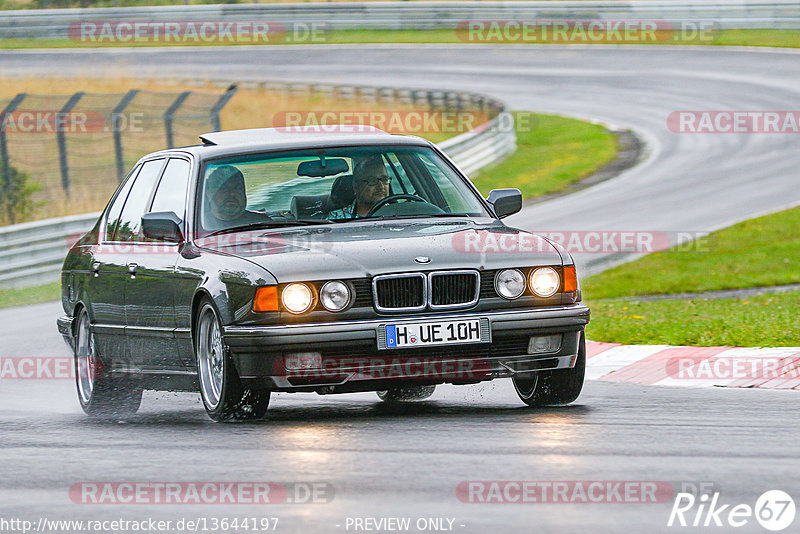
(32, 253)
(55, 23)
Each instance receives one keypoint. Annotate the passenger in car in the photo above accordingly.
(226, 200)
(371, 184)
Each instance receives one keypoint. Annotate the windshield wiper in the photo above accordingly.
(269, 224)
(416, 216)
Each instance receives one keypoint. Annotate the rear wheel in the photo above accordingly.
(407, 393)
(224, 397)
(100, 394)
(559, 386)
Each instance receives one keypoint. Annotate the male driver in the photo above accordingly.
(227, 200)
(371, 184)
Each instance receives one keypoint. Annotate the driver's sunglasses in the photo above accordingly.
(375, 181)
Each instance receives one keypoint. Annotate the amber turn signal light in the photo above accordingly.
(266, 299)
(570, 279)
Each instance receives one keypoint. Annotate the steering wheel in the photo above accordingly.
(391, 199)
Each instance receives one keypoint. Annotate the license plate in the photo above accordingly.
(433, 333)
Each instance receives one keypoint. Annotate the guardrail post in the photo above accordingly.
(62, 140)
(115, 116)
(215, 111)
(5, 164)
(168, 116)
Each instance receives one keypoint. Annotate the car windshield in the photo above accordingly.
(331, 185)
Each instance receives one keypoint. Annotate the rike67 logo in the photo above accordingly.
(774, 510)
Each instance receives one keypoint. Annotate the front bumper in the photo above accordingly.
(353, 361)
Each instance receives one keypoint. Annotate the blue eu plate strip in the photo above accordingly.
(391, 336)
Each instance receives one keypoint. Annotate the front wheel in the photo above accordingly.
(559, 386)
(100, 394)
(406, 394)
(224, 397)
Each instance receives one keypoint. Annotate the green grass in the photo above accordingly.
(759, 321)
(750, 37)
(552, 152)
(30, 295)
(757, 252)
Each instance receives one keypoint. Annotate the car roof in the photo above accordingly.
(232, 142)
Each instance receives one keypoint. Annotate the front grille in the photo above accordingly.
(363, 293)
(454, 289)
(400, 292)
(487, 284)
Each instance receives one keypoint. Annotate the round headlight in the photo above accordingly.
(509, 283)
(544, 282)
(297, 297)
(334, 295)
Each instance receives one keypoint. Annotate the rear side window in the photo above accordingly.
(171, 192)
(130, 222)
(116, 207)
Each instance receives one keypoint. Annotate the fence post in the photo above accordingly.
(115, 116)
(169, 115)
(5, 164)
(215, 111)
(62, 140)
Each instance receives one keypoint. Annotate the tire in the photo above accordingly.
(556, 387)
(224, 397)
(101, 395)
(406, 394)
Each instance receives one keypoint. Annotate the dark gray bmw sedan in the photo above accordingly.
(319, 261)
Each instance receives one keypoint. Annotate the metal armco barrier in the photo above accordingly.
(55, 23)
(32, 253)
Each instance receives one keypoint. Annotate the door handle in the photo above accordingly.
(96, 268)
(132, 269)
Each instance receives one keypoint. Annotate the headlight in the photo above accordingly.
(509, 283)
(334, 295)
(544, 282)
(297, 297)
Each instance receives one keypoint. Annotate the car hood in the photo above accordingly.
(365, 249)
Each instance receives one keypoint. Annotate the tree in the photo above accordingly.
(17, 201)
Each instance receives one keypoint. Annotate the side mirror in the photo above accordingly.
(505, 201)
(162, 226)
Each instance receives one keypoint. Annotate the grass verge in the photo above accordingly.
(551, 154)
(758, 321)
(746, 37)
(758, 252)
(30, 295)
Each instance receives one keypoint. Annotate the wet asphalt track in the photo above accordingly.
(395, 462)
(407, 462)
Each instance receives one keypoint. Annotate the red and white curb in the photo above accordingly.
(664, 365)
